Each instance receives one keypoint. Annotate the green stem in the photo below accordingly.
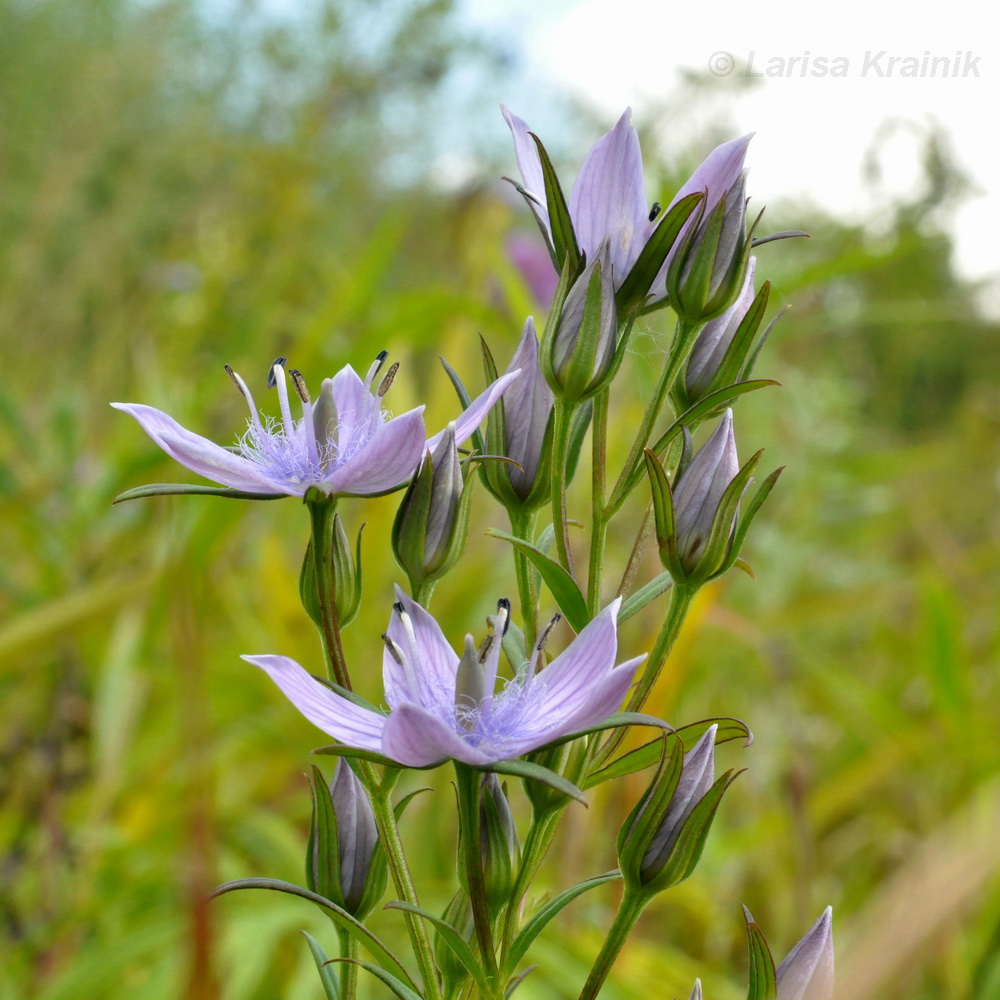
(598, 521)
(423, 592)
(348, 969)
(562, 418)
(536, 845)
(629, 911)
(402, 880)
(321, 515)
(469, 785)
(681, 596)
(522, 525)
(684, 338)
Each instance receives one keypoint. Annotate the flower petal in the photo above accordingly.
(199, 454)
(717, 173)
(807, 971)
(530, 165)
(609, 198)
(430, 680)
(476, 411)
(527, 407)
(385, 462)
(418, 738)
(343, 720)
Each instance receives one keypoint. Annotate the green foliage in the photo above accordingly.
(175, 195)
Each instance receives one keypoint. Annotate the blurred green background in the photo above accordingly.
(186, 185)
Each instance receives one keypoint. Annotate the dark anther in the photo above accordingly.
(300, 384)
(235, 380)
(654, 211)
(547, 631)
(398, 608)
(386, 384)
(503, 608)
(393, 651)
(271, 380)
(484, 647)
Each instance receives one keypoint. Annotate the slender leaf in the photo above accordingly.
(180, 489)
(398, 987)
(644, 595)
(535, 772)
(563, 236)
(323, 967)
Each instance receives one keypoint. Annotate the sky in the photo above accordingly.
(825, 80)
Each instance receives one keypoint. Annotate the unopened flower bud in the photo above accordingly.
(500, 848)
(345, 566)
(661, 841)
(578, 359)
(344, 861)
(706, 273)
(807, 971)
(699, 492)
(714, 342)
(432, 523)
(520, 428)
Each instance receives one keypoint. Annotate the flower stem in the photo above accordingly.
(423, 592)
(629, 910)
(599, 523)
(681, 596)
(684, 338)
(348, 969)
(522, 525)
(469, 784)
(321, 515)
(402, 880)
(562, 418)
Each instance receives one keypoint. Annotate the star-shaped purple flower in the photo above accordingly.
(608, 200)
(344, 444)
(442, 706)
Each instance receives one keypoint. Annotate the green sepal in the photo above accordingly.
(324, 842)
(633, 604)
(552, 908)
(326, 976)
(734, 361)
(347, 580)
(567, 275)
(564, 589)
(452, 939)
(634, 290)
(763, 983)
(478, 441)
(749, 513)
(640, 826)
(181, 489)
(663, 515)
(337, 914)
(576, 377)
(649, 753)
(564, 245)
(687, 850)
(308, 587)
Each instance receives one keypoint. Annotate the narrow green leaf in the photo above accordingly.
(455, 942)
(571, 601)
(750, 512)
(337, 914)
(340, 750)
(529, 771)
(644, 595)
(322, 960)
(552, 908)
(399, 988)
(180, 489)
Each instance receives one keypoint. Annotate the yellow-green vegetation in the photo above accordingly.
(176, 195)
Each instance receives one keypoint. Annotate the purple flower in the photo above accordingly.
(344, 444)
(608, 200)
(807, 971)
(444, 706)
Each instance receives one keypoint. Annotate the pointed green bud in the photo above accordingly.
(661, 842)
(578, 351)
(344, 861)
(432, 523)
(707, 271)
(345, 565)
(499, 844)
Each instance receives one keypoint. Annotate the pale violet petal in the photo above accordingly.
(588, 706)
(430, 681)
(807, 971)
(200, 455)
(530, 165)
(476, 411)
(609, 198)
(718, 172)
(387, 460)
(418, 738)
(343, 720)
(527, 407)
(590, 656)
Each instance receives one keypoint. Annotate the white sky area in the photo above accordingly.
(812, 132)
